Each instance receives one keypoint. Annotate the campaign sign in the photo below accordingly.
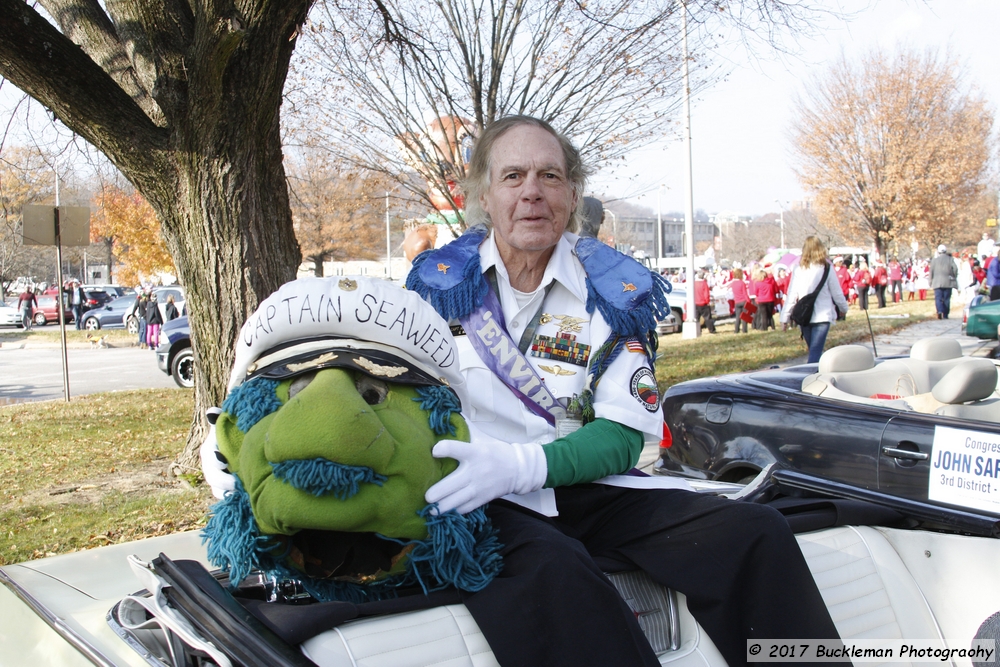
(965, 468)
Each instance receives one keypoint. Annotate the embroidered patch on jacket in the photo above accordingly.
(562, 347)
(644, 389)
(632, 345)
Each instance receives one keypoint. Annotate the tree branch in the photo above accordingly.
(41, 61)
(86, 24)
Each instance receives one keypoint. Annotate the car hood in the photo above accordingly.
(69, 597)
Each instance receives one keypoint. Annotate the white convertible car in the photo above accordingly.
(897, 574)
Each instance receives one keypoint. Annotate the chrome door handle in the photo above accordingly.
(897, 453)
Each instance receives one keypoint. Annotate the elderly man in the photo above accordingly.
(944, 278)
(555, 332)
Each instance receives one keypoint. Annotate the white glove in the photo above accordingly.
(214, 467)
(487, 469)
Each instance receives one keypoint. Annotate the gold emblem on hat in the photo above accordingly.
(381, 371)
(443, 268)
(627, 287)
(347, 284)
(312, 363)
(556, 370)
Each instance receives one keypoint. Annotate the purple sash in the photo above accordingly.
(487, 331)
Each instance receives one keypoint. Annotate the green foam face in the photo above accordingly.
(350, 419)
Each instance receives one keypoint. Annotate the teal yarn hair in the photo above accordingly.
(440, 402)
(321, 476)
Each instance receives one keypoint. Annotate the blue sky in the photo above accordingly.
(740, 126)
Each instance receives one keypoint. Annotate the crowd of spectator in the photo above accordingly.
(754, 294)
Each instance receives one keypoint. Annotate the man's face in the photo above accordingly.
(530, 198)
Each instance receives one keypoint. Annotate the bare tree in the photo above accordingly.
(19, 185)
(605, 72)
(894, 141)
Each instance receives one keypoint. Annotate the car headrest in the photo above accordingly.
(936, 349)
(970, 380)
(846, 359)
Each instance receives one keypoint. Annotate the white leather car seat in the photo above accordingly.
(868, 589)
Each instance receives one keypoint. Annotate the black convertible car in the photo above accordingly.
(923, 427)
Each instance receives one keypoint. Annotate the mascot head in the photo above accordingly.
(340, 389)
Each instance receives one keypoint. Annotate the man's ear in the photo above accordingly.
(230, 440)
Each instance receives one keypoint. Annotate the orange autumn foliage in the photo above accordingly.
(129, 221)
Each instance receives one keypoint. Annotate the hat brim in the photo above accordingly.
(373, 359)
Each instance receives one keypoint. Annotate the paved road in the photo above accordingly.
(35, 374)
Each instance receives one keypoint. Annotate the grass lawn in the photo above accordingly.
(50, 334)
(93, 472)
(726, 352)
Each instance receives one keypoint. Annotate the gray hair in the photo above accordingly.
(477, 180)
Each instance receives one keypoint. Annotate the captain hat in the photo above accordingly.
(358, 322)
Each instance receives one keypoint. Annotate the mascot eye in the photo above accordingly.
(300, 383)
(372, 390)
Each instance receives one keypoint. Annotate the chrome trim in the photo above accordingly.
(909, 454)
(62, 629)
(675, 620)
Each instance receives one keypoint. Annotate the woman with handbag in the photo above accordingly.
(814, 280)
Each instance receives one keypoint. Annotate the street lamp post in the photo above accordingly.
(781, 219)
(388, 242)
(690, 327)
(614, 225)
(659, 226)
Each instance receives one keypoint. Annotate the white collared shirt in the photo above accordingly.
(620, 392)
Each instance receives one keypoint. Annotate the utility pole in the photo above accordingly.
(690, 326)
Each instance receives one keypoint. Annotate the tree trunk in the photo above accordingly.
(230, 234)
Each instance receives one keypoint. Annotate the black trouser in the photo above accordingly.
(880, 293)
(705, 312)
(863, 297)
(738, 564)
(737, 314)
(896, 289)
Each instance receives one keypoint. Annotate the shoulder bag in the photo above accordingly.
(802, 311)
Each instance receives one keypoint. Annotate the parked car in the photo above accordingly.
(109, 315)
(174, 355)
(982, 317)
(46, 310)
(162, 293)
(95, 298)
(158, 602)
(10, 316)
(113, 290)
(898, 426)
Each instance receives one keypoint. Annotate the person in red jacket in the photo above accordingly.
(781, 286)
(741, 297)
(703, 302)
(896, 280)
(764, 292)
(843, 275)
(880, 280)
(862, 281)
